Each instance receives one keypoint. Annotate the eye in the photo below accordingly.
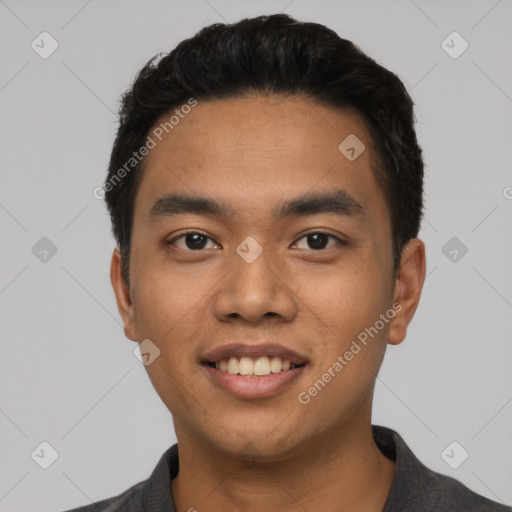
(193, 241)
(196, 241)
(318, 240)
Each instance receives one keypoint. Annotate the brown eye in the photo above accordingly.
(318, 240)
(193, 241)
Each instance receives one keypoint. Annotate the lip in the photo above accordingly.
(260, 350)
(252, 386)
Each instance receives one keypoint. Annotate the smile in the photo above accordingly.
(259, 366)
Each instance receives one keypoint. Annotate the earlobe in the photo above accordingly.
(123, 296)
(408, 287)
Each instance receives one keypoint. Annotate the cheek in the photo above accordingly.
(345, 300)
(353, 341)
(164, 300)
(168, 312)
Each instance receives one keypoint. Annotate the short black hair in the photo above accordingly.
(274, 54)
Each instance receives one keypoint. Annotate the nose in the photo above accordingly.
(255, 290)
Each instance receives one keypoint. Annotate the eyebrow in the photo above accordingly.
(338, 202)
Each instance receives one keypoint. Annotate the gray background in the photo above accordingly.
(68, 374)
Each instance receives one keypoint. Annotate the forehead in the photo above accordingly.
(255, 151)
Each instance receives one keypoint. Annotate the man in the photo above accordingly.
(266, 192)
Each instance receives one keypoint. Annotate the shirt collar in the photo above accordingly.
(157, 495)
(414, 485)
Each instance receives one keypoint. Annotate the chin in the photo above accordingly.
(257, 445)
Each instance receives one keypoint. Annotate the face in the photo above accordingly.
(256, 279)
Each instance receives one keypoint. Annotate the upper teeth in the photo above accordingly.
(253, 366)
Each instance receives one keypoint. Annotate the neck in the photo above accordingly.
(344, 470)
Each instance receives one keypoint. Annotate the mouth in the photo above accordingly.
(253, 371)
(251, 366)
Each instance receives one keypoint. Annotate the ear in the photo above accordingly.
(408, 287)
(123, 296)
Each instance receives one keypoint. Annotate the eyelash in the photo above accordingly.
(318, 231)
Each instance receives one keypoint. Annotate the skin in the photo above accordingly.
(269, 454)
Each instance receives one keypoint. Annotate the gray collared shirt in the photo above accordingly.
(415, 487)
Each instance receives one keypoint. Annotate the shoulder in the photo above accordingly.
(417, 487)
(454, 496)
(128, 501)
(154, 492)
